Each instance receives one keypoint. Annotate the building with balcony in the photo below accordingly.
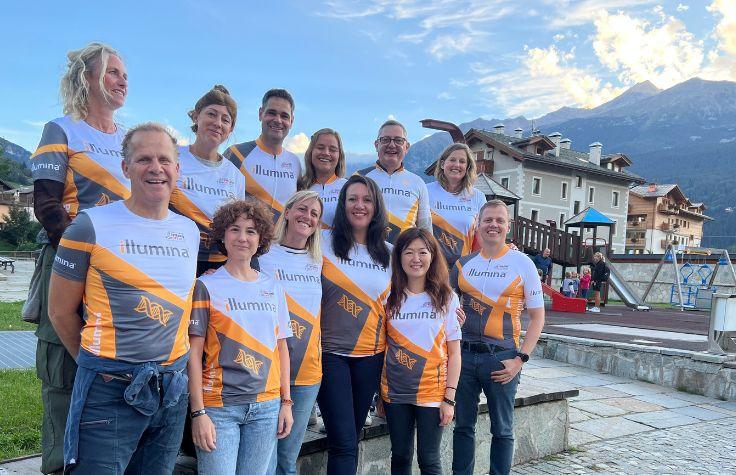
(659, 215)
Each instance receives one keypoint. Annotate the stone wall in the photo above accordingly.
(539, 430)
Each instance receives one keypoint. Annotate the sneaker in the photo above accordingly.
(368, 420)
(595, 310)
(312, 417)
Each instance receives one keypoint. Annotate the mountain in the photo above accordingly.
(685, 134)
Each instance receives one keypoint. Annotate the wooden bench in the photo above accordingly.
(6, 262)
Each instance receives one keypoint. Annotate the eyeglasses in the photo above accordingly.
(387, 140)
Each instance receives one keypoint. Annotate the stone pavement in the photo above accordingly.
(17, 350)
(14, 286)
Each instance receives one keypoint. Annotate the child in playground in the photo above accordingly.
(567, 285)
(575, 284)
(585, 283)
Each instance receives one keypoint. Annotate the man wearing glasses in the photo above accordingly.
(404, 193)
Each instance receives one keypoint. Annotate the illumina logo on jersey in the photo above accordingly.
(259, 170)
(233, 304)
(97, 150)
(129, 246)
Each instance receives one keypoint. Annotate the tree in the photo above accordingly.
(17, 228)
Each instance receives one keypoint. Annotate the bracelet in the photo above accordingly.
(450, 387)
(194, 414)
(287, 402)
(448, 401)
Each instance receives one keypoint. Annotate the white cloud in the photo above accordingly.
(37, 124)
(297, 143)
(445, 46)
(637, 50)
(579, 12)
(682, 8)
(391, 117)
(181, 139)
(445, 96)
(558, 37)
(722, 59)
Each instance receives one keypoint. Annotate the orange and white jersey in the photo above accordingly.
(405, 196)
(354, 292)
(415, 368)
(494, 292)
(203, 187)
(85, 159)
(241, 323)
(454, 217)
(270, 175)
(299, 275)
(329, 192)
(138, 275)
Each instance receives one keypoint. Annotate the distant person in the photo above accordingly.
(207, 180)
(404, 193)
(543, 262)
(324, 170)
(599, 277)
(567, 285)
(575, 283)
(131, 263)
(271, 172)
(585, 283)
(76, 167)
(454, 202)
(495, 285)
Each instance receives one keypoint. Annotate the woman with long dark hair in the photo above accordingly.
(355, 282)
(422, 363)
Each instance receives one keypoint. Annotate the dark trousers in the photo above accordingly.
(402, 419)
(348, 386)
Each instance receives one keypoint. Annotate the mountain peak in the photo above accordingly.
(645, 87)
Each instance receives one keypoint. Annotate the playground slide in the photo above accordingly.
(624, 291)
(560, 303)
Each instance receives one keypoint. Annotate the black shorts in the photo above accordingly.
(596, 286)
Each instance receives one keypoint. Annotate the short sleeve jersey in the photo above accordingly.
(270, 176)
(85, 159)
(138, 275)
(494, 292)
(405, 196)
(329, 192)
(454, 218)
(354, 292)
(299, 275)
(241, 323)
(203, 187)
(415, 369)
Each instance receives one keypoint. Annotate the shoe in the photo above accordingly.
(595, 310)
(312, 417)
(368, 420)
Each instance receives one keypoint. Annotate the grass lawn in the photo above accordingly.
(10, 317)
(20, 417)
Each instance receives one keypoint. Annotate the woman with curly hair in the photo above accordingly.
(239, 361)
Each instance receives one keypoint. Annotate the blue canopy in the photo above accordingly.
(589, 216)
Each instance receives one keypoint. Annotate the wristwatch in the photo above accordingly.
(524, 357)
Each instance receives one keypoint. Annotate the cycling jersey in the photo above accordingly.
(354, 292)
(329, 192)
(405, 196)
(202, 187)
(299, 275)
(138, 275)
(85, 159)
(494, 291)
(454, 218)
(241, 323)
(415, 369)
(270, 176)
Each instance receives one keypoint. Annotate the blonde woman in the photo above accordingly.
(600, 276)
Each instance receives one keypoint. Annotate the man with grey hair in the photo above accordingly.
(495, 285)
(404, 193)
(132, 264)
(543, 262)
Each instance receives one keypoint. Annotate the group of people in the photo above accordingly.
(227, 293)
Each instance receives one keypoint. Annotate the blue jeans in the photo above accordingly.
(284, 457)
(474, 377)
(114, 438)
(348, 386)
(246, 437)
(402, 419)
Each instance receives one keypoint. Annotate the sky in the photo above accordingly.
(351, 65)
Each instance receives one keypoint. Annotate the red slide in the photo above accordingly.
(560, 303)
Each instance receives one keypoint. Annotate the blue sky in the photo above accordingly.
(352, 64)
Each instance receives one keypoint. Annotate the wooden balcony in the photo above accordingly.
(667, 209)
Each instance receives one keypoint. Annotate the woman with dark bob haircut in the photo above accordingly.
(355, 282)
(240, 397)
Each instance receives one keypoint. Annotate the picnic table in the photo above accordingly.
(6, 262)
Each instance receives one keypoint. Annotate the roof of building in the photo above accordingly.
(589, 216)
(490, 187)
(652, 190)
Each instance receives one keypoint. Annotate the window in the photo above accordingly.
(505, 182)
(563, 193)
(562, 219)
(479, 155)
(535, 215)
(536, 186)
(578, 181)
(576, 207)
(591, 195)
(614, 199)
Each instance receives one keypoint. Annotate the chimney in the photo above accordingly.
(518, 132)
(555, 137)
(499, 129)
(566, 144)
(535, 132)
(595, 153)
(652, 187)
